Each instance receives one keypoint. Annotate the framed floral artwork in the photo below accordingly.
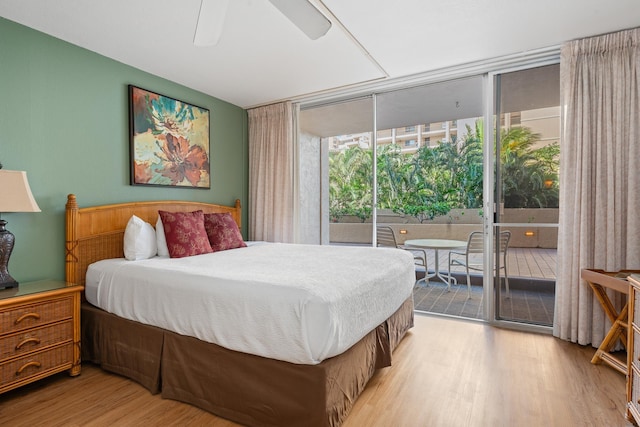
(169, 141)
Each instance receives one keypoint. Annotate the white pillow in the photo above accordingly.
(139, 240)
(161, 239)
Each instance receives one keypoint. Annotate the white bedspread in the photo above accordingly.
(297, 303)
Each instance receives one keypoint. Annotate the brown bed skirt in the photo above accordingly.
(244, 388)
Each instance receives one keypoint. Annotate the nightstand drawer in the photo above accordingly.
(35, 339)
(33, 315)
(36, 365)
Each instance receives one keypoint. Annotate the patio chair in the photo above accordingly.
(471, 257)
(385, 237)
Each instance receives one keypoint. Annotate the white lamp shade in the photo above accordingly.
(15, 193)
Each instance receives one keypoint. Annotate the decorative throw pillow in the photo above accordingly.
(139, 240)
(185, 233)
(161, 240)
(223, 232)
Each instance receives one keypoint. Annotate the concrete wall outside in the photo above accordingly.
(309, 176)
(363, 233)
(543, 237)
(354, 231)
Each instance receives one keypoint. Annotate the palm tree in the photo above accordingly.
(350, 184)
(470, 170)
(526, 172)
(434, 180)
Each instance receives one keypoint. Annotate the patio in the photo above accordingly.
(532, 278)
(532, 273)
(535, 263)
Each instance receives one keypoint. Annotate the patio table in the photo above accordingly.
(436, 245)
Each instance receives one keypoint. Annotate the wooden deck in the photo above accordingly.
(532, 296)
(532, 303)
(533, 263)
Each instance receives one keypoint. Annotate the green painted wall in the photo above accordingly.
(64, 119)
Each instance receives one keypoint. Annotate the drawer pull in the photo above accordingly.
(26, 316)
(26, 365)
(36, 341)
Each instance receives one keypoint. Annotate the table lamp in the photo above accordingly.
(15, 196)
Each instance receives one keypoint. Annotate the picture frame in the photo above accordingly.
(169, 141)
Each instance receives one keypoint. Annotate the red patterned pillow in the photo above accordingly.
(185, 233)
(223, 232)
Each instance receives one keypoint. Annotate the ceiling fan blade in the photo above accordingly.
(305, 16)
(210, 22)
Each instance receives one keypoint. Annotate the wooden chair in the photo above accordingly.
(471, 257)
(385, 237)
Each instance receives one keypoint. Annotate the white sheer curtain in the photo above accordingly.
(272, 166)
(599, 176)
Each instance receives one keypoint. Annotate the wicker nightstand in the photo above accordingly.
(39, 332)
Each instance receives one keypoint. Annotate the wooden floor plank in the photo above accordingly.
(446, 372)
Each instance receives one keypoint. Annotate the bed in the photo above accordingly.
(311, 384)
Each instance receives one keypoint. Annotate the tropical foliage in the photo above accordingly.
(350, 186)
(529, 176)
(434, 180)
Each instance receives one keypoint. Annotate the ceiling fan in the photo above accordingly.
(302, 13)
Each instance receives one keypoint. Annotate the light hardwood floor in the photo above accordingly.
(446, 373)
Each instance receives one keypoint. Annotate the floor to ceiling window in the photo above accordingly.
(429, 177)
(428, 142)
(527, 136)
(342, 132)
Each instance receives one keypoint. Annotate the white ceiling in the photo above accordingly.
(263, 58)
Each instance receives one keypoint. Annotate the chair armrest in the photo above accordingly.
(406, 248)
(418, 254)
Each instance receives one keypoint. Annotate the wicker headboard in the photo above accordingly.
(97, 232)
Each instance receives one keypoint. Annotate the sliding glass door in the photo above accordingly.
(527, 135)
(429, 183)
(416, 159)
